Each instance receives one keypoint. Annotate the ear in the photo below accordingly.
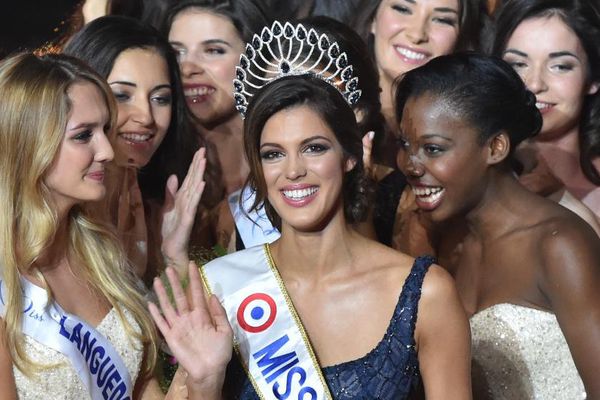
(349, 164)
(498, 148)
(593, 89)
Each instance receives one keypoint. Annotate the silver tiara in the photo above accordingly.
(278, 51)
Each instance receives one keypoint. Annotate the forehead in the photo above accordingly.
(197, 24)
(543, 35)
(143, 64)
(295, 124)
(88, 105)
(429, 113)
(429, 4)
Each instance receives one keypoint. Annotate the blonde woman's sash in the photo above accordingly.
(97, 363)
(269, 337)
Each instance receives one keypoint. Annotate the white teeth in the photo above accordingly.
(198, 91)
(136, 137)
(299, 194)
(429, 194)
(413, 55)
(541, 105)
(426, 191)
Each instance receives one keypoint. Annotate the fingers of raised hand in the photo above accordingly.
(163, 299)
(181, 301)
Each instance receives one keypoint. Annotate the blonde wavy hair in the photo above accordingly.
(34, 112)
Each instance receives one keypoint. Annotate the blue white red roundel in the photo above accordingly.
(257, 313)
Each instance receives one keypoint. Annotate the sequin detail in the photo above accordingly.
(61, 381)
(389, 371)
(521, 353)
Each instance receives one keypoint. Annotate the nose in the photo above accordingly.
(535, 80)
(412, 166)
(142, 112)
(295, 168)
(104, 150)
(417, 29)
(190, 66)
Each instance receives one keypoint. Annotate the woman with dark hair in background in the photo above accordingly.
(208, 38)
(554, 45)
(527, 269)
(154, 139)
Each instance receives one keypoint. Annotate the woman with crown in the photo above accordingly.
(322, 312)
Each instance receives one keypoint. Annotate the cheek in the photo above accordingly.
(122, 116)
(444, 41)
(162, 117)
(270, 174)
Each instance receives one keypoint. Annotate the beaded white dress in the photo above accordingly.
(520, 353)
(61, 381)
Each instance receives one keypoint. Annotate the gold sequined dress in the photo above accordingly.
(61, 381)
(520, 353)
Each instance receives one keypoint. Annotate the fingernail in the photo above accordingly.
(371, 135)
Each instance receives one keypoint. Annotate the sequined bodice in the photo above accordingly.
(61, 381)
(521, 353)
(389, 371)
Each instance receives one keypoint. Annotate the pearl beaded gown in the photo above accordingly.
(389, 371)
(61, 381)
(521, 353)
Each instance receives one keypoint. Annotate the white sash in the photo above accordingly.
(93, 357)
(269, 337)
(254, 226)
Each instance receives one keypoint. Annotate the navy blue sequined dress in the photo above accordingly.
(389, 371)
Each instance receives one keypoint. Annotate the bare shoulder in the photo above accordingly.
(569, 254)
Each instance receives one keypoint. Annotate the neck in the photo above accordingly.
(562, 157)
(315, 255)
(497, 211)
(387, 100)
(55, 256)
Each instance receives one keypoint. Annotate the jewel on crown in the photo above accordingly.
(287, 50)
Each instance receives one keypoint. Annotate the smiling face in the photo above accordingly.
(140, 82)
(303, 165)
(408, 33)
(77, 173)
(208, 48)
(441, 157)
(550, 59)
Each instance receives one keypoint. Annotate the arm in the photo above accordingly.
(179, 213)
(198, 334)
(8, 389)
(443, 339)
(571, 282)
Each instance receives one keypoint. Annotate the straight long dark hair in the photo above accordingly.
(99, 44)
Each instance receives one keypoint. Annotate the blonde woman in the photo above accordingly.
(73, 324)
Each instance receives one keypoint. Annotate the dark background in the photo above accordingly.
(29, 24)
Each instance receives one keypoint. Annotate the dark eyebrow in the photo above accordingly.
(436, 135)
(307, 140)
(439, 9)
(562, 54)
(123, 83)
(163, 86)
(310, 139)
(515, 52)
(205, 42)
